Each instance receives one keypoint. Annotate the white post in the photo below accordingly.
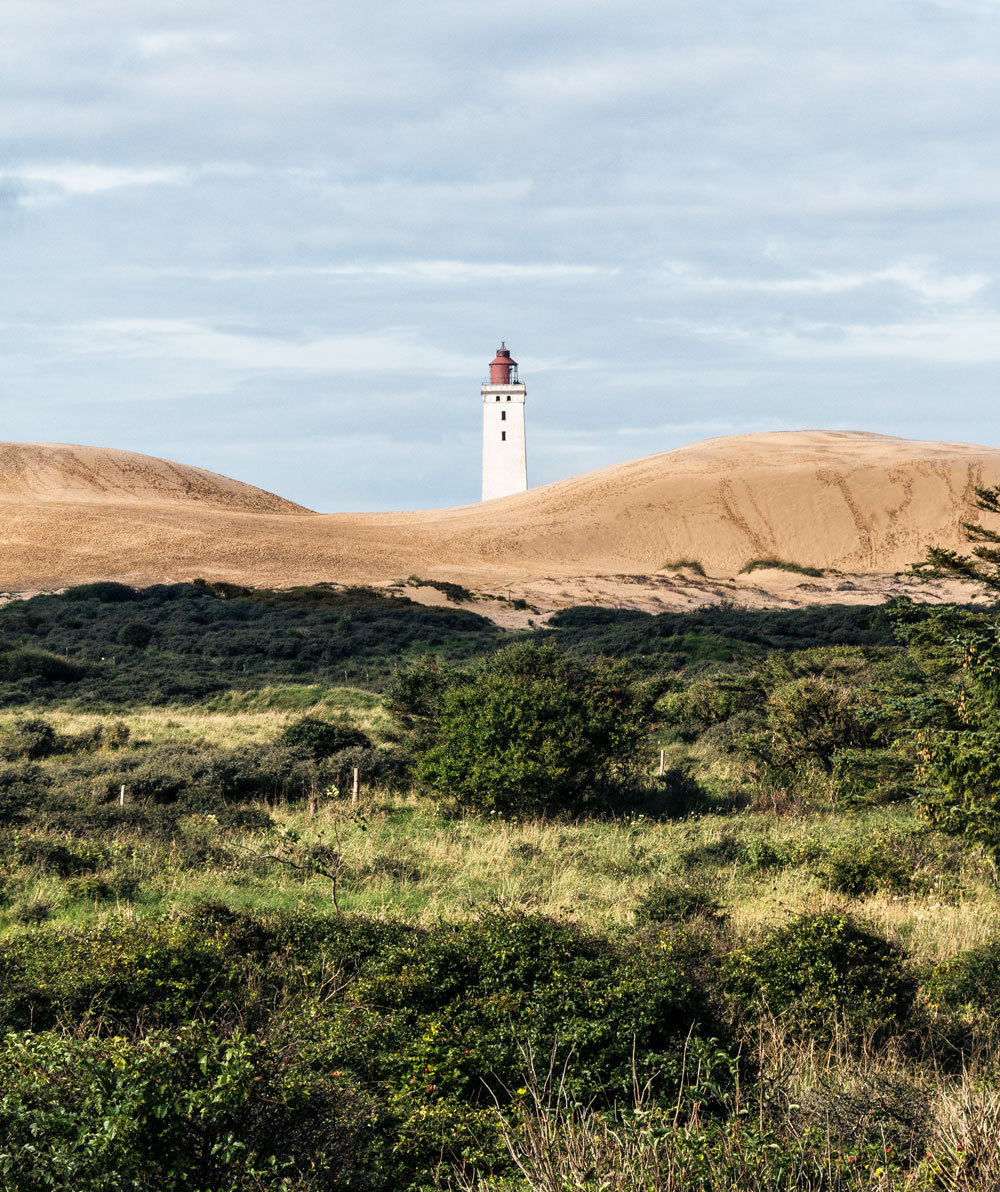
(661, 761)
(354, 795)
(121, 796)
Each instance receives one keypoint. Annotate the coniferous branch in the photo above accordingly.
(982, 565)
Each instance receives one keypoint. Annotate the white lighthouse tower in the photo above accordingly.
(505, 468)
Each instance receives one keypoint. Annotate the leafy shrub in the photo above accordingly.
(55, 856)
(390, 768)
(30, 738)
(860, 867)
(968, 981)
(27, 914)
(117, 735)
(136, 634)
(821, 967)
(105, 591)
(37, 664)
(672, 900)
(90, 887)
(181, 1110)
(322, 738)
(530, 727)
(807, 720)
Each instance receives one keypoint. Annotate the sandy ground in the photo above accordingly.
(860, 507)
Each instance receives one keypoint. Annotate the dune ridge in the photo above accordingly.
(849, 502)
(68, 472)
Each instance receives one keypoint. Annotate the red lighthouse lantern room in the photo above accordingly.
(503, 370)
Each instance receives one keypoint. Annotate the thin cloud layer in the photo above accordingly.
(285, 242)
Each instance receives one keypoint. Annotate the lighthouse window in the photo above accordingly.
(503, 415)
(508, 397)
(498, 397)
(503, 436)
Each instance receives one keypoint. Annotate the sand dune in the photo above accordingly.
(64, 472)
(858, 503)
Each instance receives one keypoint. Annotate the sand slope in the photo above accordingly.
(859, 503)
(64, 472)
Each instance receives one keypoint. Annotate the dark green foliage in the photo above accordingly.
(107, 592)
(210, 638)
(136, 634)
(456, 593)
(180, 1110)
(322, 738)
(531, 727)
(627, 632)
(807, 720)
(30, 738)
(823, 968)
(43, 668)
(366, 1080)
(961, 765)
(667, 901)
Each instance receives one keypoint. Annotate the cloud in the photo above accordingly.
(434, 272)
(169, 43)
(80, 178)
(968, 341)
(922, 282)
(390, 351)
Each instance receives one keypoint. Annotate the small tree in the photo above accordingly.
(961, 766)
(960, 763)
(531, 727)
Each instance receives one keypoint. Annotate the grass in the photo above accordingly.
(766, 853)
(404, 856)
(780, 565)
(684, 565)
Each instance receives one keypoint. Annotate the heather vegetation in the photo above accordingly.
(689, 901)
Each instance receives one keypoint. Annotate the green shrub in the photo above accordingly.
(31, 738)
(532, 727)
(105, 591)
(820, 968)
(136, 634)
(668, 900)
(807, 721)
(37, 664)
(969, 981)
(322, 738)
(183, 1110)
(861, 867)
(117, 735)
(28, 914)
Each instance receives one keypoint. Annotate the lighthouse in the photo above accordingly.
(505, 468)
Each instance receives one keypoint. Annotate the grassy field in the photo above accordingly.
(765, 967)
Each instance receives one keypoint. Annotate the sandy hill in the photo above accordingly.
(861, 504)
(65, 472)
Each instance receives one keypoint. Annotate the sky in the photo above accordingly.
(283, 241)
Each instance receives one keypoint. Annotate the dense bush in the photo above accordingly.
(188, 1109)
(321, 737)
(210, 638)
(820, 969)
(967, 982)
(531, 727)
(376, 1077)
